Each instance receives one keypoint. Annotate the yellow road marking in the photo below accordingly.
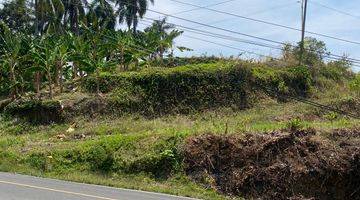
(55, 190)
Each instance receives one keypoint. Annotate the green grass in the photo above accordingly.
(133, 151)
(37, 150)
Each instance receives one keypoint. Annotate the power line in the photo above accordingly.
(324, 107)
(225, 37)
(231, 47)
(334, 9)
(269, 90)
(248, 35)
(334, 56)
(221, 36)
(228, 46)
(207, 6)
(254, 13)
(243, 34)
(268, 23)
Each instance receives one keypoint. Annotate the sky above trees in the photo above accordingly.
(286, 12)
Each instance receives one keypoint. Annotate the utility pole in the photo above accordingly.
(302, 44)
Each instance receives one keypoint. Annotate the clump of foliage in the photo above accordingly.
(44, 63)
(35, 111)
(198, 87)
(111, 154)
(314, 53)
(355, 85)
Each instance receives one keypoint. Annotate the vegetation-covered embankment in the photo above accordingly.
(182, 89)
(213, 151)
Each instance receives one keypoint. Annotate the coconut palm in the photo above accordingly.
(162, 35)
(48, 15)
(130, 11)
(74, 14)
(101, 15)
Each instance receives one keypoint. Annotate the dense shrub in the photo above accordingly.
(118, 153)
(37, 160)
(181, 61)
(295, 81)
(355, 85)
(183, 88)
(35, 111)
(197, 87)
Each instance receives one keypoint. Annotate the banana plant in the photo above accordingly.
(62, 55)
(44, 60)
(11, 55)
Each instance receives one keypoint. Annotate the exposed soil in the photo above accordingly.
(278, 165)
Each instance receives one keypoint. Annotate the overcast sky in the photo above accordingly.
(285, 12)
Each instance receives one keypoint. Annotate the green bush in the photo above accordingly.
(35, 111)
(295, 124)
(355, 85)
(197, 87)
(100, 158)
(37, 160)
(181, 61)
(119, 153)
(294, 81)
(160, 165)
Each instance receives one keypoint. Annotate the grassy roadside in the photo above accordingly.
(139, 152)
(51, 151)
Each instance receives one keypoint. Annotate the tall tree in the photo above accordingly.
(17, 15)
(75, 12)
(48, 15)
(101, 15)
(161, 35)
(131, 10)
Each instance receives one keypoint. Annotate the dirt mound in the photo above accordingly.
(277, 165)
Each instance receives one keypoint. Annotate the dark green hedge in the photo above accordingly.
(198, 87)
(35, 111)
(181, 61)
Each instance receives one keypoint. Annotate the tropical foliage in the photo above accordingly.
(52, 42)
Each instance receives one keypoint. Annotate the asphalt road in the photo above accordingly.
(21, 187)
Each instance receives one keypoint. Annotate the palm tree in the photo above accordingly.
(75, 12)
(162, 35)
(48, 14)
(17, 15)
(101, 15)
(131, 10)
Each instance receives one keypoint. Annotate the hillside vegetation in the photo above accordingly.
(146, 128)
(87, 100)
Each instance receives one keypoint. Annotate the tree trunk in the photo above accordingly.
(61, 80)
(13, 79)
(122, 58)
(37, 83)
(97, 81)
(75, 71)
(57, 76)
(50, 85)
(162, 55)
